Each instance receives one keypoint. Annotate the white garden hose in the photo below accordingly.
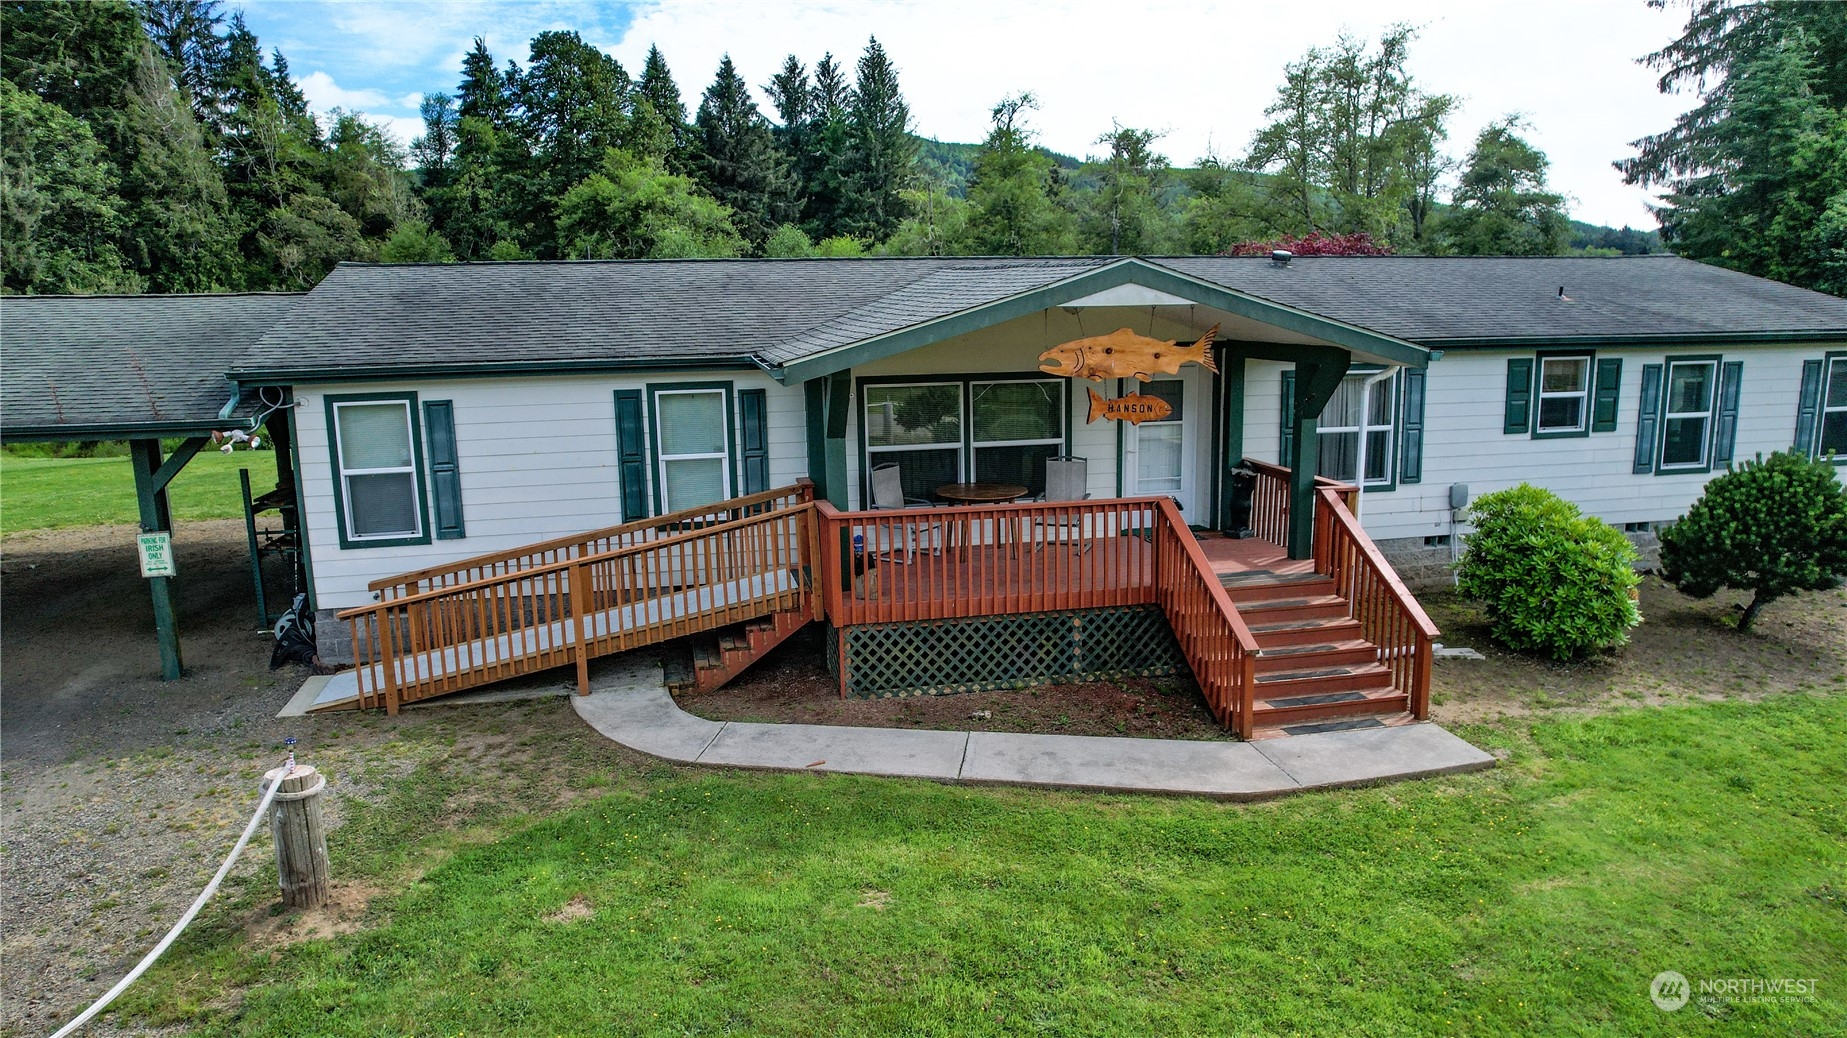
(206, 895)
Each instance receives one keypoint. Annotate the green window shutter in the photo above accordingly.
(1725, 430)
(1609, 387)
(1808, 406)
(1519, 415)
(1286, 443)
(445, 470)
(1647, 426)
(1411, 437)
(755, 438)
(632, 453)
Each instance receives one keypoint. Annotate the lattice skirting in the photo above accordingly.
(935, 657)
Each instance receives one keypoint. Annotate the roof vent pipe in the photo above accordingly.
(1281, 257)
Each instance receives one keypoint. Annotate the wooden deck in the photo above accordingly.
(1229, 555)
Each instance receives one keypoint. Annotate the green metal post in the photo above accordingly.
(1231, 374)
(828, 399)
(1315, 383)
(151, 479)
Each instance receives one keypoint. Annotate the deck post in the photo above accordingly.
(151, 479)
(1231, 445)
(1315, 383)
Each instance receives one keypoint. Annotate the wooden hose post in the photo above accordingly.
(301, 837)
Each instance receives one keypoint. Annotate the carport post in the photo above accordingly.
(151, 479)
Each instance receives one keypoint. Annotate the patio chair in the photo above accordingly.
(1065, 480)
(888, 493)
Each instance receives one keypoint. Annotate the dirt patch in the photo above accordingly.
(877, 900)
(1685, 649)
(792, 686)
(274, 928)
(575, 910)
(121, 793)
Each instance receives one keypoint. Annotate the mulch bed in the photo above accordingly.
(791, 686)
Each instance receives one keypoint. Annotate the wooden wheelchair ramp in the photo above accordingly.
(565, 602)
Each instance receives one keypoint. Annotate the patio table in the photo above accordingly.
(980, 494)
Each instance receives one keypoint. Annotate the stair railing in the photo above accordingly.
(1217, 643)
(593, 542)
(1389, 615)
(459, 636)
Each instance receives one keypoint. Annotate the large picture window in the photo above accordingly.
(1564, 394)
(1834, 410)
(692, 437)
(984, 430)
(1357, 410)
(1686, 425)
(377, 459)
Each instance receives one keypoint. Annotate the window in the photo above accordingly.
(377, 462)
(1687, 414)
(1344, 420)
(1564, 394)
(986, 430)
(1834, 410)
(1017, 426)
(1159, 465)
(919, 427)
(692, 445)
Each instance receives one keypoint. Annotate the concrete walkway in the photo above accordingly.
(629, 704)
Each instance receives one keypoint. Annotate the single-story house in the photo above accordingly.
(446, 413)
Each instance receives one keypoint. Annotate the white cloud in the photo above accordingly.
(324, 94)
(1204, 71)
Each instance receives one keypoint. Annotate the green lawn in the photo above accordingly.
(1536, 899)
(42, 493)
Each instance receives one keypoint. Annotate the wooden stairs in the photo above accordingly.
(1315, 669)
(720, 656)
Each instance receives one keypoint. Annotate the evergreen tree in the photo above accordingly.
(826, 164)
(738, 160)
(572, 101)
(60, 211)
(633, 208)
(1756, 173)
(793, 95)
(1502, 206)
(1012, 212)
(185, 33)
(881, 153)
(659, 107)
(434, 152)
(1125, 214)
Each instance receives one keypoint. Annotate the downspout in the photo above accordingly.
(1359, 467)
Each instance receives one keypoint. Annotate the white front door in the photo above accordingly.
(1160, 459)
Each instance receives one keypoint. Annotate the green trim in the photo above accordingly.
(488, 369)
(1229, 443)
(1712, 412)
(631, 415)
(654, 423)
(1408, 466)
(339, 489)
(1538, 392)
(1607, 394)
(967, 380)
(301, 510)
(1314, 387)
(753, 440)
(445, 477)
(1689, 339)
(123, 431)
(1126, 272)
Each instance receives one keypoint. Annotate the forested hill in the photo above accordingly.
(158, 146)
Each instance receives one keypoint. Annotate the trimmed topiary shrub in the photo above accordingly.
(1773, 527)
(1555, 582)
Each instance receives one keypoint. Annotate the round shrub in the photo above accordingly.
(1772, 527)
(1555, 582)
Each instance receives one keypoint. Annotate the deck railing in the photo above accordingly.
(582, 545)
(1388, 614)
(462, 635)
(946, 563)
(1270, 502)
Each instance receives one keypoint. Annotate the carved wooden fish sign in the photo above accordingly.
(1123, 353)
(1134, 408)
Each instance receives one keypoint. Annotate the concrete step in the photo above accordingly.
(1302, 607)
(1317, 655)
(1277, 632)
(1311, 680)
(1330, 724)
(1293, 709)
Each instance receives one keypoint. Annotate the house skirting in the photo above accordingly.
(936, 657)
(1425, 566)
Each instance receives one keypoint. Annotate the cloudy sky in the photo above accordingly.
(1202, 71)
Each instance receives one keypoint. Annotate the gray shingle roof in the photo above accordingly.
(87, 364)
(1436, 299)
(365, 316)
(370, 318)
